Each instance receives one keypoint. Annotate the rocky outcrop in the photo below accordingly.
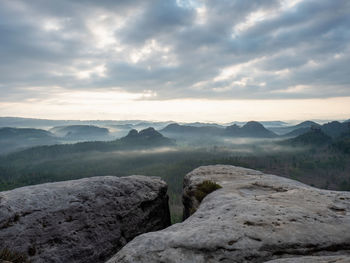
(86, 220)
(254, 217)
(319, 259)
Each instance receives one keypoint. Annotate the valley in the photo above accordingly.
(313, 157)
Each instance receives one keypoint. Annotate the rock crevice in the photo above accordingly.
(254, 217)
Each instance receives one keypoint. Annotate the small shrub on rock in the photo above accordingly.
(205, 188)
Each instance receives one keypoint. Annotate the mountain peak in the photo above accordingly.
(171, 126)
(250, 129)
(147, 136)
(253, 124)
(313, 137)
(145, 133)
(306, 124)
(150, 132)
(132, 133)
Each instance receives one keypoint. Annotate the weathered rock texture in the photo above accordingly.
(255, 217)
(319, 259)
(85, 220)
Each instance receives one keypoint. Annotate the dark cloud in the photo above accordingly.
(177, 49)
(159, 18)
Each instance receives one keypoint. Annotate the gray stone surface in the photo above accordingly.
(319, 259)
(86, 220)
(255, 217)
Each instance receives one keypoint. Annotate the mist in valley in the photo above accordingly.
(79, 151)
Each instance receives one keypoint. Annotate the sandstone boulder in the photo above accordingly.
(254, 217)
(86, 220)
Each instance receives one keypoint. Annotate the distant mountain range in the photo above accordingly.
(333, 129)
(146, 139)
(334, 134)
(251, 129)
(9, 133)
(294, 130)
(81, 132)
(314, 137)
(48, 124)
(267, 124)
(187, 130)
(12, 139)
(203, 124)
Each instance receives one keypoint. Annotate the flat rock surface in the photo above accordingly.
(86, 220)
(254, 217)
(320, 259)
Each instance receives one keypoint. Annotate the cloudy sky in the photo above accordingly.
(186, 60)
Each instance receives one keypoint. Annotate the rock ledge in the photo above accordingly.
(86, 220)
(254, 217)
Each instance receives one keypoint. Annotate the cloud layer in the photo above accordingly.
(166, 49)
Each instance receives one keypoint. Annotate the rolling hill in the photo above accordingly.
(314, 137)
(81, 132)
(295, 130)
(188, 130)
(251, 129)
(12, 139)
(145, 139)
(335, 128)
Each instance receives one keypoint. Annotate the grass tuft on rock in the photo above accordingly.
(205, 188)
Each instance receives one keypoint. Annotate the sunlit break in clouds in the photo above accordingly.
(183, 60)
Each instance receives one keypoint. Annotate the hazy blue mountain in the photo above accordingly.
(239, 123)
(265, 123)
(122, 129)
(176, 128)
(306, 124)
(47, 124)
(9, 133)
(257, 130)
(297, 132)
(12, 139)
(145, 139)
(335, 128)
(30, 122)
(233, 129)
(81, 132)
(289, 129)
(269, 124)
(314, 137)
(203, 124)
(251, 129)
(155, 124)
(122, 126)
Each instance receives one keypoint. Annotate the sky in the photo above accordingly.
(182, 60)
